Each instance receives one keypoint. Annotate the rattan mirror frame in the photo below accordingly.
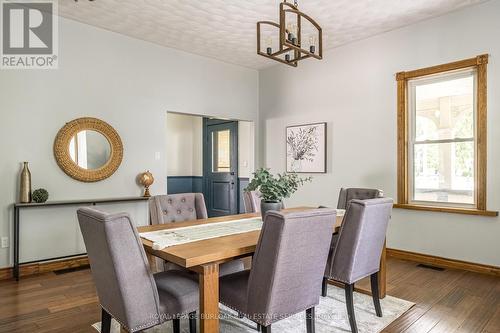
(63, 158)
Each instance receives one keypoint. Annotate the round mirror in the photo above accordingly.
(88, 149)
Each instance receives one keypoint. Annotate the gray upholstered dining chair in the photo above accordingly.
(358, 250)
(177, 208)
(348, 194)
(251, 200)
(180, 207)
(292, 244)
(345, 196)
(126, 288)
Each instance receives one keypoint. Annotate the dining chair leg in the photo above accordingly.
(324, 287)
(376, 294)
(349, 294)
(105, 322)
(192, 322)
(266, 329)
(310, 320)
(176, 325)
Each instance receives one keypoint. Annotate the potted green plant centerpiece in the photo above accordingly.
(273, 189)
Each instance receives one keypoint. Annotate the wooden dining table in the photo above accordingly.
(205, 256)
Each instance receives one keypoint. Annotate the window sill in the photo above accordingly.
(455, 210)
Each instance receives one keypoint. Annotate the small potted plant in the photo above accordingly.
(40, 195)
(273, 189)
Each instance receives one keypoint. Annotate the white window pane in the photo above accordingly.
(445, 110)
(221, 151)
(444, 172)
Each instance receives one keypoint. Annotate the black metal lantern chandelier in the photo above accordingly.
(292, 46)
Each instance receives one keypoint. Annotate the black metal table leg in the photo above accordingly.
(16, 243)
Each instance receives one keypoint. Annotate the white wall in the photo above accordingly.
(246, 148)
(354, 90)
(128, 83)
(184, 145)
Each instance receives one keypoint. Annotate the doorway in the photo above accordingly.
(220, 166)
(211, 156)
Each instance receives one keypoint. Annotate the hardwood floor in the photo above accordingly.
(447, 301)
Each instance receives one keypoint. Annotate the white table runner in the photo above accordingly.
(170, 237)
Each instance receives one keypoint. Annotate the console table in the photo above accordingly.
(19, 206)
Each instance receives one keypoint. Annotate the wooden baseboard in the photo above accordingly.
(44, 267)
(443, 262)
(50, 266)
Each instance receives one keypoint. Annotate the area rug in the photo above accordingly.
(331, 317)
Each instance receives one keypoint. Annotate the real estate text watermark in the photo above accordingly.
(29, 36)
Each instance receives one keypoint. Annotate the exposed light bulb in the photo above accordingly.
(312, 43)
(289, 31)
(269, 43)
(292, 33)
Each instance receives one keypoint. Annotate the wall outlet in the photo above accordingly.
(5, 242)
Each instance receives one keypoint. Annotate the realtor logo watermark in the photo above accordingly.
(29, 34)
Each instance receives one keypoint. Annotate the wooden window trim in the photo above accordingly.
(478, 63)
(457, 210)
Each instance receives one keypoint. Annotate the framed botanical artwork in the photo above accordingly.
(306, 148)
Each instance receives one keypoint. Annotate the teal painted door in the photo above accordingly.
(220, 167)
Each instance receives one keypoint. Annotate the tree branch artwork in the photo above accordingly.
(303, 144)
(306, 148)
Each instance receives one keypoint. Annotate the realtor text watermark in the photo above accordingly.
(29, 36)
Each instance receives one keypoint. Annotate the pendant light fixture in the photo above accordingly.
(292, 46)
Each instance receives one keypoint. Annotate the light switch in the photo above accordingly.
(157, 155)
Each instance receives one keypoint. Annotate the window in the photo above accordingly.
(441, 142)
(221, 151)
(442, 137)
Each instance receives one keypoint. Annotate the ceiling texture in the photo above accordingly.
(226, 29)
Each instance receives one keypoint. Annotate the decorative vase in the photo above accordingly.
(25, 188)
(296, 165)
(266, 206)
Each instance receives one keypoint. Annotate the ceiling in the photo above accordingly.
(226, 29)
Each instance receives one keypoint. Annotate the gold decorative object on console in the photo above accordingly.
(146, 179)
(293, 46)
(25, 186)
